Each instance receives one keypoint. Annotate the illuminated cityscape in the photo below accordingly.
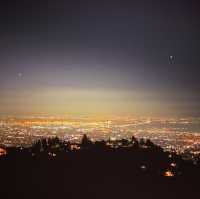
(179, 134)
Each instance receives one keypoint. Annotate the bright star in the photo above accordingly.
(19, 75)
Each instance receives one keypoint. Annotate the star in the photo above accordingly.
(19, 75)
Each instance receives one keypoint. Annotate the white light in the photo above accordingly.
(19, 75)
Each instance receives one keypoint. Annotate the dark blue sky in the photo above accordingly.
(95, 46)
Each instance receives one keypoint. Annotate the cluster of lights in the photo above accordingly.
(3, 152)
(168, 173)
(52, 154)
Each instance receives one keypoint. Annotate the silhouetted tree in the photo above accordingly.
(68, 146)
(100, 145)
(85, 142)
(142, 142)
(44, 144)
(125, 142)
(36, 148)
(149, 143)
(134, 142)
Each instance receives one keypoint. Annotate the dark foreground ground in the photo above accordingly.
(131, 172)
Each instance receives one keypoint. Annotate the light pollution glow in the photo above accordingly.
(54, 101)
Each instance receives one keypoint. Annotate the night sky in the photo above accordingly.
(100, 57)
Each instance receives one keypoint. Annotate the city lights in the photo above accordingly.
(172, 134)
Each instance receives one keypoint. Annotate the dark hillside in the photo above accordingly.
(97, 170)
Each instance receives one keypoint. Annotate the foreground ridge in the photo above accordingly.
(52, 168)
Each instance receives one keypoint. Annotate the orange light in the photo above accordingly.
(168, 174)
(2, 152)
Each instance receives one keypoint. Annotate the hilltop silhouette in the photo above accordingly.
(126, 168)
